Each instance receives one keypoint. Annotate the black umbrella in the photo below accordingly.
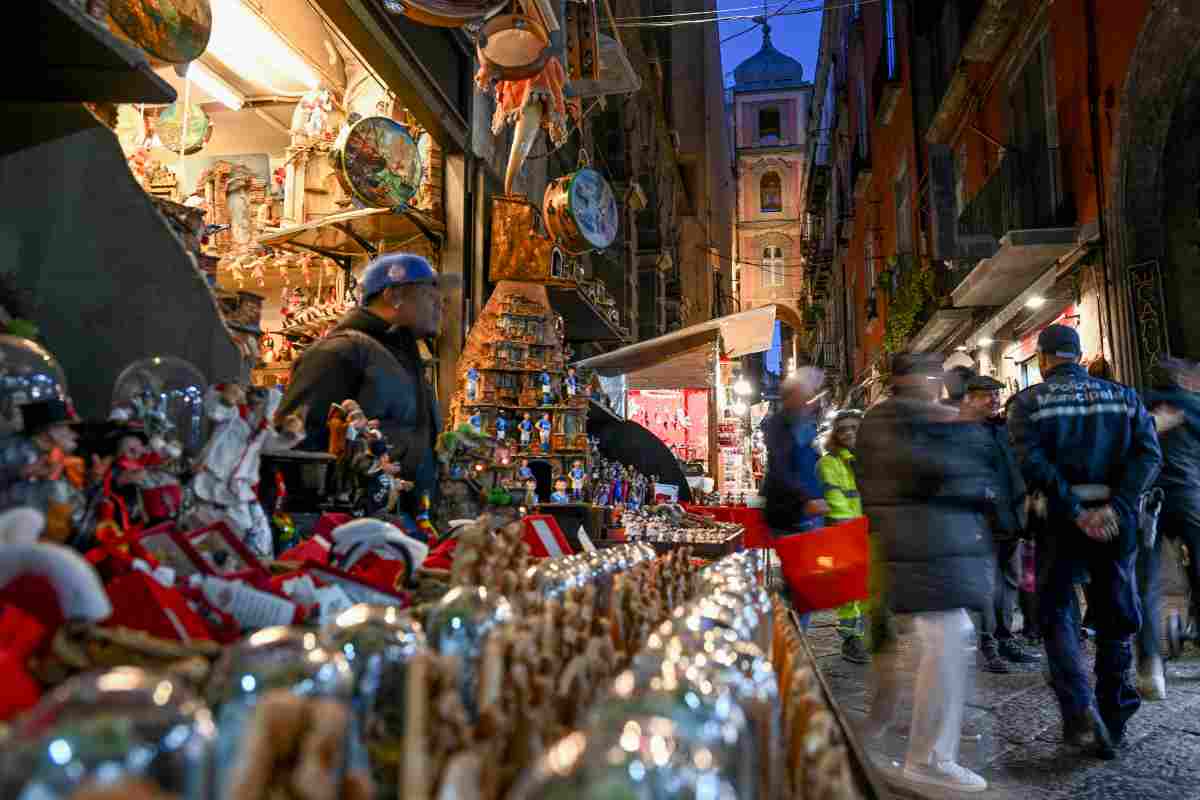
(631, 444)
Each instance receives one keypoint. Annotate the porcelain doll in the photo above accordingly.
(229, 466)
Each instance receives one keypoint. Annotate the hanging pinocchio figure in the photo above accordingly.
(544, 426)
(526, 428)
(547, 389)
(578, 474)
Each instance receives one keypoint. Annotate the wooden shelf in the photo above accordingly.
(76, 59)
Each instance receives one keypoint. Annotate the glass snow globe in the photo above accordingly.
(166, 395)
(28, 374)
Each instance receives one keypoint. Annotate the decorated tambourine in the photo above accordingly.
(175, 31)
(169, 128)
(581, 211)
(378, 162)
(513, 47)
(445, 13)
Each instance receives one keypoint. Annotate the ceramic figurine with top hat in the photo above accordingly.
(38, 457)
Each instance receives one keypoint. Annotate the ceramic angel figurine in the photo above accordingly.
(229, 466)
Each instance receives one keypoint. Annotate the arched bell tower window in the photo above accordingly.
(771, 192)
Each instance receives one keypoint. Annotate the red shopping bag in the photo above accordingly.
(826, 567)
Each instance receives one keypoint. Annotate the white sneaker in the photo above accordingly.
(1151, 682)
(945, 774)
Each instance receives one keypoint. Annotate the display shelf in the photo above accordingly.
(356, 233)
(585, 321)
(77, 59)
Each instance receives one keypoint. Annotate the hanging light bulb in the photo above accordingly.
(742, 387)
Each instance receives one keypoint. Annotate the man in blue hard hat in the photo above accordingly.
(1090, 447)
(372, 357)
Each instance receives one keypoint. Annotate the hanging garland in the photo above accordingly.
(912, 292)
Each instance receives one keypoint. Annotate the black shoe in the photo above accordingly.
(854, 650)
(1088, 732)
(992, 662)
(1011, 651)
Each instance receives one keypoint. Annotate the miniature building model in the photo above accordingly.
(515, 389)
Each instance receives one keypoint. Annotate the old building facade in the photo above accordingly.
(997, 166)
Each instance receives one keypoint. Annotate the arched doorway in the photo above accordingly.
(1154, 191)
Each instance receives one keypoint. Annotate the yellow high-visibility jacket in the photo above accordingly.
(841, 491)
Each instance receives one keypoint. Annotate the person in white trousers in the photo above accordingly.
(925, 479)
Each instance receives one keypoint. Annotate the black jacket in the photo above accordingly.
(926, 480)
(791, 480)
(363, 359)
(1180, 445)
(1074, 429)
(1008, 513)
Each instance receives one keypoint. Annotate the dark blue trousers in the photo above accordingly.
(1065, 556)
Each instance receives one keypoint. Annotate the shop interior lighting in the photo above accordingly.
(986, 341)
(962, 348)
(212, 83)
(738, 408)
(743, 387)
(243, 41)
(1035, 302)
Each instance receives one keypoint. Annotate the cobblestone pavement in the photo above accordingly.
(1020, 753)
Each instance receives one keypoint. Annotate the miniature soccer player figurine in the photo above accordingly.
(472, 384)
(526, 428)
(572, 382)
(524, 472)
(531, 498)
(559, 495)
(476, 422)
(578, 474)
(547, 389)
(544, 425)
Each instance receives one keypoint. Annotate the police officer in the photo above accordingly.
(1090, 447)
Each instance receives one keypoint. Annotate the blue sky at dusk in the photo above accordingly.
(798, 35)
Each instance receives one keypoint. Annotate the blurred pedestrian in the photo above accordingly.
(836, 470)
(1089, 445)
(997, 644)
(925, 490)
(1176, 410)
(793, 494)
(954, 381)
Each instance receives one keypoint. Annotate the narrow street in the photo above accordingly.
(1020, 751)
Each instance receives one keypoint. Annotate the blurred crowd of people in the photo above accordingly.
(978, 508)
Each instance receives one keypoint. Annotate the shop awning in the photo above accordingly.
(356, 233)
(740, 334)
(943, 329)
(1022, 257)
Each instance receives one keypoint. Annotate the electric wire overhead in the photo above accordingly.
(695, 18)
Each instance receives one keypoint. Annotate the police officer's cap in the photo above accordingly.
(984, 383)
(1061, 341)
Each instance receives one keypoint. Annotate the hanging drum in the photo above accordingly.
(445, 13)
(378, 162)
(169, 128)
(580, 211)
(514, 47)
(175, 31)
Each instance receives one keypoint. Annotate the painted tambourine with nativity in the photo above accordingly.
(378, 162)
(176, 32)
(445, 13)
(581, 211)
(170, 126)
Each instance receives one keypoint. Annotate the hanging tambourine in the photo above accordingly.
(580, 210)
(378, 162)
(169, 128)
(513, 47)
(176, 31)
(445, 13)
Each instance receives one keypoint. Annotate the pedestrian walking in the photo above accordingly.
(1176, 410)
(925, 489)
(836, 470)
(997, 644)
(1089, 445)
(793, 494)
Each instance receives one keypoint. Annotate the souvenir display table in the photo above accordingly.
(757, 532)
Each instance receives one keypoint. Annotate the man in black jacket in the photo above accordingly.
(997, 644)
(1090, 447)
(372, 357)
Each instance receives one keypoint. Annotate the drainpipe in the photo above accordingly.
(1093, 83)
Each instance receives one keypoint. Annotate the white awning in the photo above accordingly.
(740, 334)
